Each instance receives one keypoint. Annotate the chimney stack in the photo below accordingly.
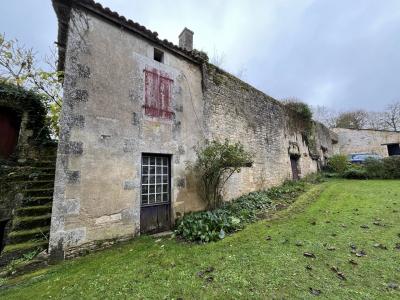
(186, 39)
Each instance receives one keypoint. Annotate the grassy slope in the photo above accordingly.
(246, 264)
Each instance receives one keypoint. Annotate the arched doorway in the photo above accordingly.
(9, 131)
(294, 163)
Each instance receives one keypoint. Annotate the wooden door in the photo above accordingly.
(295, 168)
(155, 212)
(9, 130)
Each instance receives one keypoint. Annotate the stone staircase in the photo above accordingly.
(30, 223)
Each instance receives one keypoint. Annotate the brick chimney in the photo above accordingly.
(186, 39)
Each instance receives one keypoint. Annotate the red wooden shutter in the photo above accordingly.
(157, 94)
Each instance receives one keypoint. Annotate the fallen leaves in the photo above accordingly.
(393, 285)
(361, 253)
(353, 262)
(309, 254)
(315, 292)
(378, 223)
(380, 246)
(338, 273)
(206, 274)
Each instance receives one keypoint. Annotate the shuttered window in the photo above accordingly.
(158, 92)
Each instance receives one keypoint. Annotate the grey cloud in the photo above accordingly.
(337, 53)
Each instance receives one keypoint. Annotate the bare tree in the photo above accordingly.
(374, 120)
(218, 58)
(15, 61)
(241, 73)
(325, 115)
(19, 65)
(391, 116)
(352, 119)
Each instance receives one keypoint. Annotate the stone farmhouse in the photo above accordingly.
(134, 109)
(135, 106)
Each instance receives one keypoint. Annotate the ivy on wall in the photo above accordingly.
(21, 100)
(300, 118)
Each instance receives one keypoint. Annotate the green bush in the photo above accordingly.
(355, 173)
(391, 166)
(387, 168)
(301, 108)
(232, 216)
(374, 168)
(338, 163)
(216, 162)
(207, 226)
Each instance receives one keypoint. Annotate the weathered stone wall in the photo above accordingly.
(365, 140)
(104, 132)
(239, 112)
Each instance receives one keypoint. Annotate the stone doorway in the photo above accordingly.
(393, 149)
(294, 163)
(155, 212)
(3, 235)
(9, 130)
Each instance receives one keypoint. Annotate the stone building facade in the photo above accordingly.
(382, 142)
(134, 109)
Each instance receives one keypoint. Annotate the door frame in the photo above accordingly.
(14, 119)
(296, 160)
(393, 148)
(170, 210)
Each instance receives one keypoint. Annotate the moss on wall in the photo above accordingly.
(21, 100)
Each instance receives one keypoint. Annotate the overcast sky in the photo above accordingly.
(343, 54)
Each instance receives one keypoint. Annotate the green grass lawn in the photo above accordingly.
(325, 222)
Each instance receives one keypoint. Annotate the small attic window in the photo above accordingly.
(158, 55)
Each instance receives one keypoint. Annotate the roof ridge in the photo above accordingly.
(105, 12)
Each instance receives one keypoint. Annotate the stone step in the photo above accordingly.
(44, 163)
(33, 184)
(22, 236)
(46, 169)
(39, 200)
(45, 177)
(30, 222)
(33, 176)
(33, 210)
(15, 251)
(23, 268)
(36, 192)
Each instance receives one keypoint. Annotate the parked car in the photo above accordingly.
(359, 158)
